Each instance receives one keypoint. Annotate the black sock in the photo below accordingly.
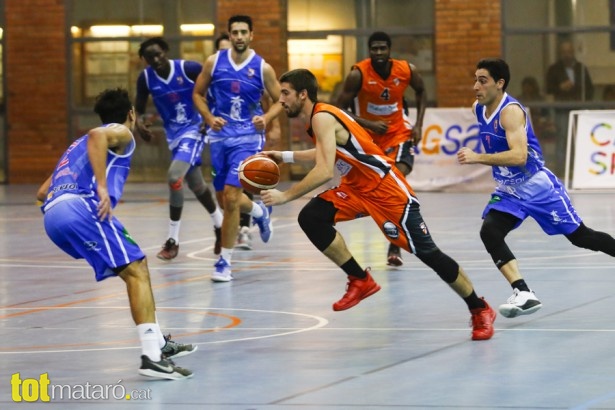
(521, 285)
(474, 302)
(175, 212)
(352, 268)
(206, 198)
(244, 220)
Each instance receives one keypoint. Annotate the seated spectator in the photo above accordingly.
(608, 93)
(543, 124)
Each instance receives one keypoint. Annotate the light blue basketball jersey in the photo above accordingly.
(493, 137)
(172, 97)
(71, 211)
(237, 92)
(74, 174)
(529, 190)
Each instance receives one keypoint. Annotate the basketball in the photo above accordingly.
(259, 172)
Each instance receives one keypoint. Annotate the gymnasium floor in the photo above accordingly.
(269, 340)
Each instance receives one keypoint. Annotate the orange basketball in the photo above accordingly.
(259, 172)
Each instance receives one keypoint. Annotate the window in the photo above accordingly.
(533, 31)
(328, 37)
(105, 39)
(3, 142)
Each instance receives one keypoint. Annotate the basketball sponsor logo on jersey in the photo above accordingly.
(390, 230)
(423, 227)
(91, 246)
(128, 237)
(382, 109)
(343, 167)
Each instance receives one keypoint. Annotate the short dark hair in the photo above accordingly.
(151, 41)
(379, 36)
(302, 79)
(113, 105)
(219, 39)
(498, 69)
(240, 18)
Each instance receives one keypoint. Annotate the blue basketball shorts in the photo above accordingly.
(227, 154)
(73, 225)
(543, 197)
(188, 148)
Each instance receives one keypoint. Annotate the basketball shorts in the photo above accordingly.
(392, 206)
(227, 154)
(543, 197)
(403, 152)
(74, 227)
(188, 148)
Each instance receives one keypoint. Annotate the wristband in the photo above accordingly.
(288, 156)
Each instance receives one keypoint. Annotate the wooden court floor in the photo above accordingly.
(269, 340)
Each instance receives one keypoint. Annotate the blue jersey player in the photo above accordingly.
(77, 203)
(525, 187)
(170, 83)
(236, 79)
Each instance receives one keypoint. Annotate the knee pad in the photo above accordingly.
(493, 239)
(176, 184)
(587, 238)
(444, 265)
(317, 219)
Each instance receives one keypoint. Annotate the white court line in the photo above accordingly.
(320, 322)
(324, 266)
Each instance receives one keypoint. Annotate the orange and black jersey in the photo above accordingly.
(381, 99)
(361, 163)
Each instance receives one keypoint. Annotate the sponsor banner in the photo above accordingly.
(594, 150)
(445, 131)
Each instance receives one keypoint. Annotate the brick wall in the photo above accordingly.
(466, 31)
(36, 94)
(37, 110)
(269, 26)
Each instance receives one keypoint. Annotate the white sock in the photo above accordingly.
(174, 230)
(149, 340)
(257, 211)
(227, 254)
(161, 340)
(217, 218)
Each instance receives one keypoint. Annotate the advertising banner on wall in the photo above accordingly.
(594, 150)
(445, 131)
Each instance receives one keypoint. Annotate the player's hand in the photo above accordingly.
(379, 127)
(566, 85)
(274, 155)
(271, 197)
(466, 156)
(217, 123)
(143, 130)
(104, 205)
(259, 122)
(417, 135)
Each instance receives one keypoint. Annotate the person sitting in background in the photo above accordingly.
(568, 79)
(608, 93)
(543, 124)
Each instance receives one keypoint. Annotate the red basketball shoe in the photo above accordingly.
(357, 290)
(482, 322)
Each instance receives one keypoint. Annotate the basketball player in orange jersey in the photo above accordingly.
(370, 185)
(374, 91)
